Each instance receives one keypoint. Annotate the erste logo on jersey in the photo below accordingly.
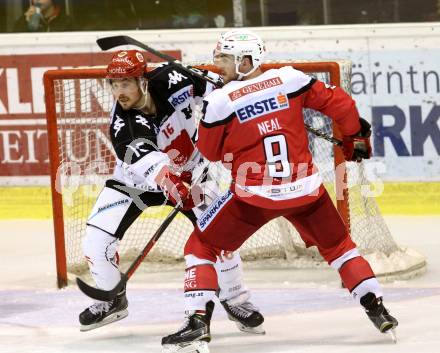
(266, 104)
(181, 96)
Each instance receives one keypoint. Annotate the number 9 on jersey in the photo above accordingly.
(275, 148)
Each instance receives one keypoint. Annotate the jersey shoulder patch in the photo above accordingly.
(168, 77)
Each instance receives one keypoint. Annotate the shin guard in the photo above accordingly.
(100, 250)
(200, 286)
(359, 278)
(230, 275)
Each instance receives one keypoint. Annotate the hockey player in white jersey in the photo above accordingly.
(152, 131)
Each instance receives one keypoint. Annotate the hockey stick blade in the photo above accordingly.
(107, 295)
(101, 294)
(107, 43)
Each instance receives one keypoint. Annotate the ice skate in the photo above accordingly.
(245, 315)
(194, 335)
(379, 315)
(104, 313)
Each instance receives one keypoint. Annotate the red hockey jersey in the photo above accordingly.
(256, 128)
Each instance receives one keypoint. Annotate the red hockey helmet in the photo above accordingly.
(126, 63)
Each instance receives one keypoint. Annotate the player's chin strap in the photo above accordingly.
(143, 86)
(238, 61)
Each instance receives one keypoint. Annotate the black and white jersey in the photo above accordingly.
(176, 94)
(132, 133)
(133, 136)
(145, 143)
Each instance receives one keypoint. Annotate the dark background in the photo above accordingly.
(104, 15)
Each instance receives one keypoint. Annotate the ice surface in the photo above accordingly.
(305, 311)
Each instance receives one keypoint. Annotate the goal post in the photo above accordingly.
(49, 79)
(81, 159)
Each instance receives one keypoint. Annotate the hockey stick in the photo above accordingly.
(324, 136)
(107, 295)
(116, 41)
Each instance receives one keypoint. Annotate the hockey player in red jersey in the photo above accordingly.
(255, 125)
(152, 130)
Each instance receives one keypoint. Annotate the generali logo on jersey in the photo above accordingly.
(255, 87)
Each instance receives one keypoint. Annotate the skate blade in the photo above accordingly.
(192, 347)
(108, 320)
(392, 334)
(257, 330)
(389, 329)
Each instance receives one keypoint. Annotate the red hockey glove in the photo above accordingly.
(174, 188)
(357, 147)
(186, 177)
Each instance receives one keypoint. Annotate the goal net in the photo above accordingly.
(78, 107)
